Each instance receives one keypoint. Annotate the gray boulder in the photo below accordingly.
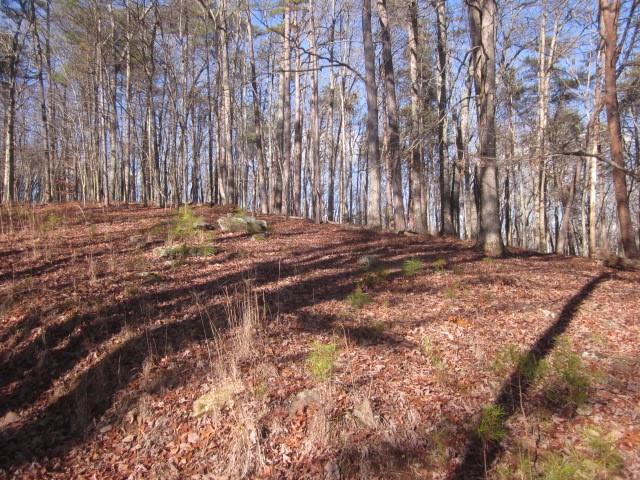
(241, 223)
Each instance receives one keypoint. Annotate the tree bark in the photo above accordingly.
(416, 208)
(482, 25)
(391, 106)
(609, 11)
(373, 140)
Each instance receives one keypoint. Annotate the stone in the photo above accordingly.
(368, 261)
(242, 224)
(8, 419)
(216, 398)
(364, 414)
(331, 470)
(200, 224)
(304, 399)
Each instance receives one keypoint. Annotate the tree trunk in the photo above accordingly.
(416, 210)
(373, 141)
(315, 127)
(257, 120)
(609, 11)
(8, 190)
(446, 207)
(297, 132)
(391, 105)
(482, 27)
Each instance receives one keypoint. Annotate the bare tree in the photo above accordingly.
(482, 29)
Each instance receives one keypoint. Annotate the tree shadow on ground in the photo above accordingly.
(67, 419)
(478, 455)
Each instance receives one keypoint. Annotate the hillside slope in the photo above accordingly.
(314, 351)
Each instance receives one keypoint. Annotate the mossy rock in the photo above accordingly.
(216, 399)
(242, 223)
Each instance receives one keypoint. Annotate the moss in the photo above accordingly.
(321, 359)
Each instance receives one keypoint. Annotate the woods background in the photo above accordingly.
(378, 113)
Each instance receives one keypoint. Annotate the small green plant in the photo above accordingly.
(527, 366)
(491, 427)
(358, 298)
(375, 278)
(259, 237)
(239, 212)
(451, 293)
(488, 260)
(321, 359)
(183, 251)
(569, 379)
(458, 270)
(555, 467)
(606, 458)
(594, 458)
(439, 264)
(412, 266)
(184, 225)
(432, 354)
(51, 222)
(378, 326)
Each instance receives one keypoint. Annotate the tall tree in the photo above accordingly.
(482, 29)
(393, 125)
(416, 210)
(609, 11)
(373, 139)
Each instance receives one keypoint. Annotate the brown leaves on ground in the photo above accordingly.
(105, 348)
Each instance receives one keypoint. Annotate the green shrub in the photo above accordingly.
(412, 266)
(569, 380)
(358, 298)
(432, 354)
(594, 458)
(451, 293)
(555, 467)
(491, 426)
(322, 358)
(439, 264)
(606, 459)
(528, 367)
(184, 226)
(239, 212)
(375, 278)
(183, 251)
(51, 222)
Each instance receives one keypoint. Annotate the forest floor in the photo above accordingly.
(286, 356)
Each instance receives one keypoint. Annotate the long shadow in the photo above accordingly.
(52, 432)
(66, 420)
(479, 454)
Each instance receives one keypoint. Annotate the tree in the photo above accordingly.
(609, 11)
(416, 211)
(373, 141)
(482, 25)
(391, 107)
(8, 191)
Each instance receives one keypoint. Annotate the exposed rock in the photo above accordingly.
(304, 399)
(8, 419)
(200, 224)
(364, 414)
(331, 470)
(368, 261)
(241, 223)
(216, 398)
